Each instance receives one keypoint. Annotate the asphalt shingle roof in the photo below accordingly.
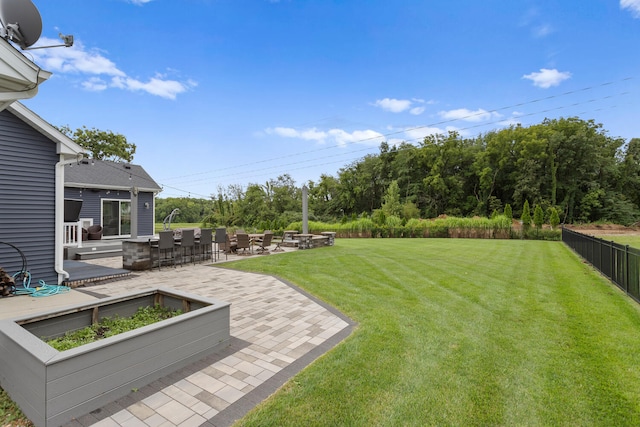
(104, 174)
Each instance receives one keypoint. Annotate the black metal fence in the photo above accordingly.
(620, 263)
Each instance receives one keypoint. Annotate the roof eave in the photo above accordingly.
(111, 187)
(19, 76)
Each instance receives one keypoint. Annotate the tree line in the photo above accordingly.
(567, 165)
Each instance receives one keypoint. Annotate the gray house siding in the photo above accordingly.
(27, 199)
(146, 221)
(92, 201)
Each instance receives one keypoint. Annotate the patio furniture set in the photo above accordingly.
(182, 245)
(243, 241)
(188, 245)
(173, 247)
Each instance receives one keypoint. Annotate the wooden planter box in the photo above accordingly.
(52, 387)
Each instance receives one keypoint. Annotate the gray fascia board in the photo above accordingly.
(110, 187)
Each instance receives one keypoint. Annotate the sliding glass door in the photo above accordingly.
(116, 217)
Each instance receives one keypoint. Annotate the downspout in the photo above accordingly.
(59, 220)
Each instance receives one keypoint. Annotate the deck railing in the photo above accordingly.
(73, 234)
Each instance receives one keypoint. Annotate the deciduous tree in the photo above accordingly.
(102, 145)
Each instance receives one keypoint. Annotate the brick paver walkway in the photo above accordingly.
(276, 330)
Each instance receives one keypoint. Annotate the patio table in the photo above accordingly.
(253, 238)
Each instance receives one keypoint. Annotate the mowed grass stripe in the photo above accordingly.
(461, 332)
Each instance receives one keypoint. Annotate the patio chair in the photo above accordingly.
(187, 244)
(243, 242)
(165, 245)
(227, 245)
(94, 232)
(222, 241)
(204, 245)
(265, 242)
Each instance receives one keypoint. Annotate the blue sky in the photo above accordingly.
(231, 92)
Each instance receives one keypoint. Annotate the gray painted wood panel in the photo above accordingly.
(76, 381)
(134, 366)
(27, 356)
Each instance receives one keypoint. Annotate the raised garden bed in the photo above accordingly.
(52, 387)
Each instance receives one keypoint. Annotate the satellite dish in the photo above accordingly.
(21, 21)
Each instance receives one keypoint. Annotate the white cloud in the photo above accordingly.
(155, 86)
(95, 84)
(400, 105)
(393, 105)
(632, 5)
(335, 136)
(465, 114)
(312, 134)
(370, 137)
(280, 131)
(139, 2)
(547, 78)
(73, 59)
(93, 65)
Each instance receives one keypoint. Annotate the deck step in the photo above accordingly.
(105, 253)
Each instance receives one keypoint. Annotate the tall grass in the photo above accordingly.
(498, 227)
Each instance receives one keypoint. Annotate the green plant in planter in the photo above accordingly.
(110, 326)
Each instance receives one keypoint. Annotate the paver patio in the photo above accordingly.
(276, 331)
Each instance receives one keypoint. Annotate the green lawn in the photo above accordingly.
(461, 332)
(175, 225)
(623, 239)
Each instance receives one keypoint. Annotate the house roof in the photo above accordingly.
(108, 175)
(65, 145)
(19, 76)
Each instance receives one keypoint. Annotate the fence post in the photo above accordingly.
(612, 262)
(626, 268)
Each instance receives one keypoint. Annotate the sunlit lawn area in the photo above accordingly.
(175, 225)
(623, 239)
(461, 332)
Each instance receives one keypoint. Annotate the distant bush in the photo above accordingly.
(498, 227)
(540, 234)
